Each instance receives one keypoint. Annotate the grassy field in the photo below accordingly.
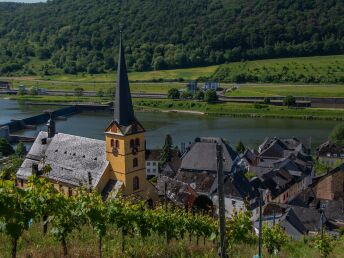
(241, 109)
(324, 69)
(186, 74)
(83, 243)
(285, 90)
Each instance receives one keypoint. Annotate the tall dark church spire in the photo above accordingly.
(124, 112)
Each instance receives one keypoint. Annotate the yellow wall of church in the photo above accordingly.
(122, 164)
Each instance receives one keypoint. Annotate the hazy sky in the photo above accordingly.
(23, 1)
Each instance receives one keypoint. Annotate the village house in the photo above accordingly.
(153, 162)
(282, 167)
(116, 164)
(330, 154)
(296, 221)
(198, 170)
(155, 167)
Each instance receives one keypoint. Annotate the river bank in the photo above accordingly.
(196, 107)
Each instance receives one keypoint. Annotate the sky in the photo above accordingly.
(23, 1)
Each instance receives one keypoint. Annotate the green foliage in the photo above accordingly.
(210, 96)
(173, 35)
(21, 92)
(33, 91)
(100, 93)
(173, 93)
(325, 244)
(239, 228)
(274, 238)
(289, 101)
(20, 149)
(5, 147)
(166, 153)
(11, 167)
(337, 134)
(186, 95)
(199, 95)
(267, 100)
(240, 147)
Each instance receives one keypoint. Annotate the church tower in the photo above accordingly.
(125, 143)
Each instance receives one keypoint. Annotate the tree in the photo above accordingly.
(33, 91)
(337, 134)
(239, 228)
(11, 167)
(274, 238)
(20, 149)
(324, 244)
(166, 153)
(15, 212)
(91, 205)
(199, 95)
(186, 95)
(210, 96)
(173, 93)
(21, 91)
(240, 147)
(289, 101)
(64, 219)
(5, 148)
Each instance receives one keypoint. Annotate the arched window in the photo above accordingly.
(136, 183)
(135, 162)
(137, 142)
(112, 142)
(117, 144)
(132, 143)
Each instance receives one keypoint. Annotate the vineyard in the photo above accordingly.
(39, 221)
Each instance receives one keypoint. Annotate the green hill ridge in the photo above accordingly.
(64, 36)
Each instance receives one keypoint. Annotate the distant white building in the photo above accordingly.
(152, 162)
(211, 85)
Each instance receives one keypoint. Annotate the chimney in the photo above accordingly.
(51, 128)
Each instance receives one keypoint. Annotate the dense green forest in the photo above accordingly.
(73, 36)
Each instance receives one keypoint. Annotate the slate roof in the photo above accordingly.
(201, 182)
(202, 156)
(178, 192)
(153, 155)
(330, 147)
(72, 158)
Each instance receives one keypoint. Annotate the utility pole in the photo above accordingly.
(260, 223)
(219, 156)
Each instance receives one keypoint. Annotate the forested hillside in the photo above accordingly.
(72, 36)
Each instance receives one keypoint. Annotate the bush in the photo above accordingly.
(289, 101)
(33, 91)
(210, 96)
(186, 95)
(5, 147)
(199, 95)
(173, 93)
(274, 238)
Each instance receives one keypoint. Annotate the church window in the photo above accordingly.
(112, 142)
(135, 162)
(132, 143)
(136, 183)
(117, 144)
(137, 142)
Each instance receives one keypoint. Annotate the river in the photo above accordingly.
(182, 127)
